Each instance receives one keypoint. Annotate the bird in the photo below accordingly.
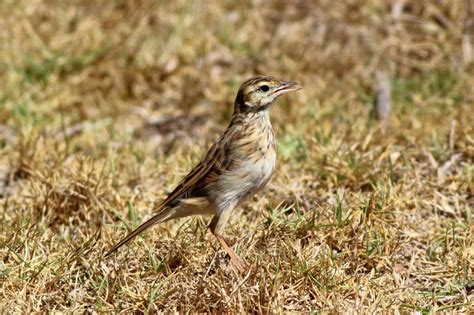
(238, 165)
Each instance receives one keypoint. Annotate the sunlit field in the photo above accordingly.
(106, 105)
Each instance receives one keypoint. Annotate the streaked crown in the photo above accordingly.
(258, 93)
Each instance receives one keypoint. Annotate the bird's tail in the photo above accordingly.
(185, 207)
(164, 215)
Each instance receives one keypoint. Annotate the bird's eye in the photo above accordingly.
(264, 88)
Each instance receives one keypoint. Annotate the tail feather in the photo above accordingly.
(186, 207)
(164, 215)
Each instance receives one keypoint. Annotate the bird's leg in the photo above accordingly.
(215, 226)
(237, 262)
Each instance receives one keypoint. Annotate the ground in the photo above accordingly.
(105, 106)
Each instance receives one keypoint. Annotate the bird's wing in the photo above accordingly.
(216, 161)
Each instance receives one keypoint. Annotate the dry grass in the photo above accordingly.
(104, 107)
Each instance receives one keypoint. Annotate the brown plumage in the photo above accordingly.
(239, 164)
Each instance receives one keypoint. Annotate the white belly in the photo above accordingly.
(239, 184)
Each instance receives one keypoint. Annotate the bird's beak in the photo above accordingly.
(286, 87)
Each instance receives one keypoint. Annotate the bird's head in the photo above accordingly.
(258, 93)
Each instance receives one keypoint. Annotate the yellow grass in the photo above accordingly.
(104, 105)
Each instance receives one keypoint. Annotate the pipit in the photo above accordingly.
(237, 166)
